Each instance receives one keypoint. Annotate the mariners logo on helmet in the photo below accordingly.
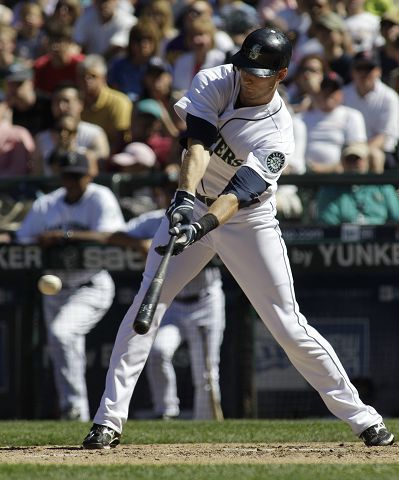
(254, 53)
(275, 161)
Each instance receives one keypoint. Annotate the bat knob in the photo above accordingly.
(141, 327)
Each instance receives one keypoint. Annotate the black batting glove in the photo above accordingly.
(181, 209)
(187, 235)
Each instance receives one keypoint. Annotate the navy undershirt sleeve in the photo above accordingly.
(199, 129)
(247, 186)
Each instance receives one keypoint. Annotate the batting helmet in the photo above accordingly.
(264, 52)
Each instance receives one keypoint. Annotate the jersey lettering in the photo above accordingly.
(223, 151)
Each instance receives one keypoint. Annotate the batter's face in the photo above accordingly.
(258, 90)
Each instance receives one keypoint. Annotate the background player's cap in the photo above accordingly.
(74, 162)
(264, 52)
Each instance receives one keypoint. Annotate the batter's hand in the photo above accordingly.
(187, 235)
(181, 209)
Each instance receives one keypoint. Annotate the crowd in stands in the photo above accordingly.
(100, 77)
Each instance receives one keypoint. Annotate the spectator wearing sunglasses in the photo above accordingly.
(380, 108)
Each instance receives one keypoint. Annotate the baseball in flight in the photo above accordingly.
(49, 284)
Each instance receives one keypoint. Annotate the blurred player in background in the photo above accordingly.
(200, 304)
(74, 212)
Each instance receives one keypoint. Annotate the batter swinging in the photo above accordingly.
(239, 139)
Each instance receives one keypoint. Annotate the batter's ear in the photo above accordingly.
(282, 74)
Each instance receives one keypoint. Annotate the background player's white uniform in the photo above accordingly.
(85, 296)
(250, 245)
(199, 304)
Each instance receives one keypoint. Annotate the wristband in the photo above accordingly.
(207, 223)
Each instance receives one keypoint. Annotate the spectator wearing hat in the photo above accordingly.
(330, 30)
(357, 204)
(126, 73)
(136, 159)
(16, 144)
(148, 127)
(76, 212)
(30, 109)
(103, 28)
(238, 22)
(379, 106)
(198, 9)
(102, 105)
(157, 85)
(389, 51)
(60, 64)
(330, 127)
(89, 137)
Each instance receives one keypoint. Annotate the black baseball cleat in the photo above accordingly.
(101, 437)
(377, 436)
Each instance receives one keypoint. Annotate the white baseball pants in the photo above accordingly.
(251, 247)
(182, 322)
(69, 316)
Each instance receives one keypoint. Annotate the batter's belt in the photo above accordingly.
(206, 200)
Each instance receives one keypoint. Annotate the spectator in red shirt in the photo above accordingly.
(59, 65)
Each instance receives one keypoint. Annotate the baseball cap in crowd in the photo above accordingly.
(74, 162)
(135, 153)
(264, 52)
(239, 21)
(331, 82)
(17, 72)
(158, 65)
(331, 21)
(356, 149)
(367, 59)
(150, 106)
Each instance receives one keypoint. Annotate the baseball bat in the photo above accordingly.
(214, 398)
(145, 315)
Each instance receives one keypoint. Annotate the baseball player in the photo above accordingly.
(74, 212)
(239, 139)
(200, 304)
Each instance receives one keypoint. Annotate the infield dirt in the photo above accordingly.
(201, 453)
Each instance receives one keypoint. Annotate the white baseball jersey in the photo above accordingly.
(97, 210)
(380, 109)
(242, 131)
(329, 132)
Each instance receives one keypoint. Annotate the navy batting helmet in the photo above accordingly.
(264, 52)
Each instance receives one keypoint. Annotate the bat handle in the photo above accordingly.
(145, 314)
